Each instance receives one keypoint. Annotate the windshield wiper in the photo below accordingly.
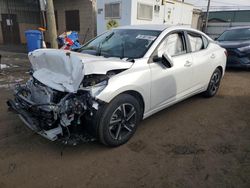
(123, 49)
(99, 49)
(130, 60)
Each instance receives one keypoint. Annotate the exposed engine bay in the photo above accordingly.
(57, 114)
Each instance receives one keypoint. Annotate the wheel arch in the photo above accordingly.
(221, 69)
(138, 96)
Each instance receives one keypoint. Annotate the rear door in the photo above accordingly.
(203, 57)
(170, 84)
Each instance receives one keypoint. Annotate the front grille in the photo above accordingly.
(44, 116)
(231, 52)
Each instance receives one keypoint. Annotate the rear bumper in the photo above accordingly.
(33, 123)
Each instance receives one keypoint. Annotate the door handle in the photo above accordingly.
(212, 56)
(188, 64)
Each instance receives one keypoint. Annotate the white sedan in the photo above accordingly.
(116, 80)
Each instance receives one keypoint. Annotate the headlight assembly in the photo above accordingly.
(244, 49)
(96, 89)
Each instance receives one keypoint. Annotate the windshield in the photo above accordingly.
(235, 35)
(122, 43)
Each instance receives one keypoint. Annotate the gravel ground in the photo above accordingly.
(196, 143)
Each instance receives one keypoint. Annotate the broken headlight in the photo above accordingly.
(96, 89)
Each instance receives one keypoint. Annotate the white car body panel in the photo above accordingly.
(170, 84)
(182, 85)
(159, 86)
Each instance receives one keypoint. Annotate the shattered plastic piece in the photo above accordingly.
(19, 80)
(4, 66)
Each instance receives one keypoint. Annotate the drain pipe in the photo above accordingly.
(0, 61)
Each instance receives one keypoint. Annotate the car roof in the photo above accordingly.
(240, 27)
(155, 27)
(162, 27)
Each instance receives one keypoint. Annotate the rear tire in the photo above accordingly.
(118, 120)
(214, 84)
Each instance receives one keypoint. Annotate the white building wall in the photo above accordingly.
(184, 14)
(178, 13)
(157, 18)
(172, 13)
(125, 18)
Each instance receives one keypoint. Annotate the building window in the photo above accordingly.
(112, 10)
(72, 20)
(144, 11)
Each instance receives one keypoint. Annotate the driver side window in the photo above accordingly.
(173, 45)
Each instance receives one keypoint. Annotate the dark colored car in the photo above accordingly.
(237, 43)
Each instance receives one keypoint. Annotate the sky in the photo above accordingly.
(221, 4)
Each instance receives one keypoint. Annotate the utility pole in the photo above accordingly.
(51, 22)
(207, 15)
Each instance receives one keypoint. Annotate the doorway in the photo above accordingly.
(10, 29)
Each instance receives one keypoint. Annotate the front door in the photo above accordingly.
(170, 84)
(10, 29)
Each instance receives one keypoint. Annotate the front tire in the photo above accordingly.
(214, 84)
(119, 120)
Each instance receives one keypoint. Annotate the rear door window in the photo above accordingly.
(196, 42)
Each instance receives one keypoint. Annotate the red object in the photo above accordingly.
(68, 43)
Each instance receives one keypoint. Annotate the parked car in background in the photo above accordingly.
(236, 41)
(116, 80)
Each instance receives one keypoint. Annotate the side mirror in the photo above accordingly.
(167, 60)
(215, 38)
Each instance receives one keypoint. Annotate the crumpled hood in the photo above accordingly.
(64, 70)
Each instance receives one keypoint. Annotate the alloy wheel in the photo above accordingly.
(122, 121)
(215, 82)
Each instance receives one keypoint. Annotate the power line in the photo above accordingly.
(244, 7)
(222, 6)
(227, 3)
(219, 2)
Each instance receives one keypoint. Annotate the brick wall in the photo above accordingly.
(86, 12)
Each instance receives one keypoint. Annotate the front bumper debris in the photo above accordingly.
(32, 123)
(59, 117)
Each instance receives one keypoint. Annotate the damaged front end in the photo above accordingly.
(57, 106)
(54, 114)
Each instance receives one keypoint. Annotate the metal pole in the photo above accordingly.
(51, 24)
(207, 15)
(44, 20)
(10, 23)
